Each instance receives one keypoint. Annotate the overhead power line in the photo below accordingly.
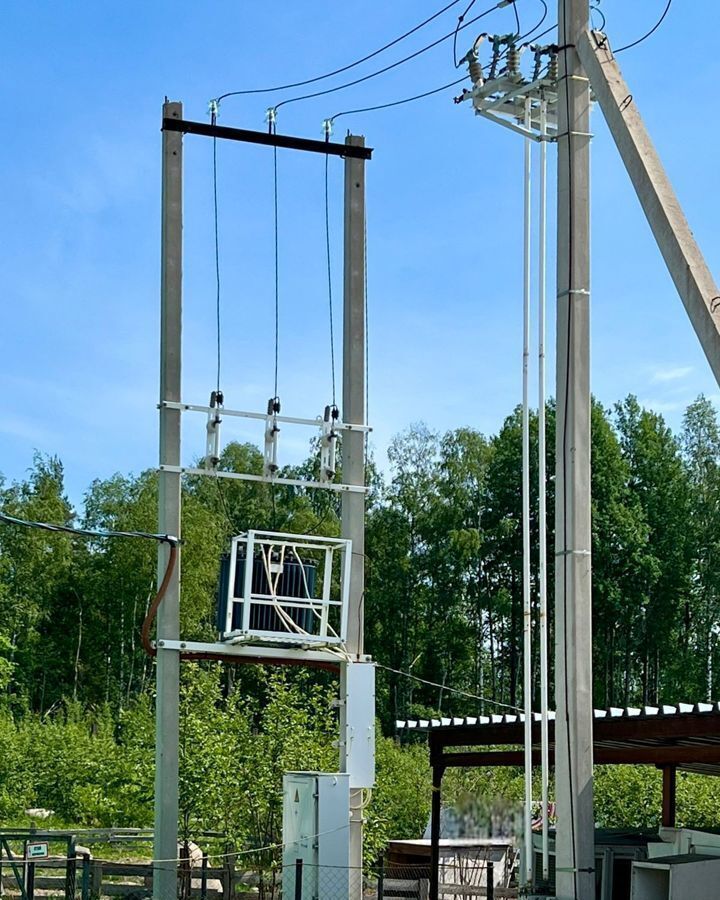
(88, 532)
(449, 690)
(352, 65)
(388, 68)
(647, 34)
(349, 112)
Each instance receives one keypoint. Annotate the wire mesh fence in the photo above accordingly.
(75, 872)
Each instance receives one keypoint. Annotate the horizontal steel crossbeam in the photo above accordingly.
(270, 140)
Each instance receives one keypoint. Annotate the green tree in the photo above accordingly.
(659, 480)
(701, 445)
(624, 570)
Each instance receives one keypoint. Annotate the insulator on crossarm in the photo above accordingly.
(513, 61)
(212, 441)
(475, 70)
(553, 67)
(271, 438)
(328, 444)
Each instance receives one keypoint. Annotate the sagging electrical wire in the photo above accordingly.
(517, 17)
(151, 615)
(527, 37)
(349, 112)
(341, 651)
(460, 20)
(290, 624)
(444, 87)
(352, 65)
(172, 541)
(89, 532)
(197, 656)
(233, 854)
(450, 690)
(647, 34)
(156, 601)
(595, 8)
(394, 65)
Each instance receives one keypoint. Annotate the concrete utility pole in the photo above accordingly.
(353, 449)
(683, 258)
(168, 620)
(573, 599)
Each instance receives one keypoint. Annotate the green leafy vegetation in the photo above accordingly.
(443, 603)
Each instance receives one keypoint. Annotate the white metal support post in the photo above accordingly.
(542, 497)
(353, 450)
(526, 875)
(168, 621)
(573, 596)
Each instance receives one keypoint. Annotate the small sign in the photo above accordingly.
(37, 850)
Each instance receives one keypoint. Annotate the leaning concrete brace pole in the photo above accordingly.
(168, 620)
(573, 599)
(353, 447)
(683, 258)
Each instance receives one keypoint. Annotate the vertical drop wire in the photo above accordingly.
(217, 255)
(329, 277)
(277, 275)
(517, 16)
(277, 299)
(367, 346)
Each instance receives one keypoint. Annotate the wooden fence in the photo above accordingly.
(97, 878)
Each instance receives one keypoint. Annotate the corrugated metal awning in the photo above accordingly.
(685, 735)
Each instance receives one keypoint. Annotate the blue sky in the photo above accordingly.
(79, 235)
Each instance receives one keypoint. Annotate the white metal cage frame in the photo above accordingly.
(277, 550)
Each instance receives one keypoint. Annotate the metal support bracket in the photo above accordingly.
(291, 482)
(221, 649)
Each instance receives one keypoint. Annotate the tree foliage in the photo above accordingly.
(443, 604)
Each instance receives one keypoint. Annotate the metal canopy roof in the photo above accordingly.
(686, 736)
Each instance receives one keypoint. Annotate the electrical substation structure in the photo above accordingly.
(552, 104)
(284, 599)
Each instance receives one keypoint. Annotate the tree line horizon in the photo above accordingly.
(443, 599)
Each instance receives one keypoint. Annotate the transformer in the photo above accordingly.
(284, 588)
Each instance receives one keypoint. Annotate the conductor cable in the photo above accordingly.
(352, 65)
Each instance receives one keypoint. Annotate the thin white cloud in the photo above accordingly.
(675, 373)
(664, 406)
(16, 427)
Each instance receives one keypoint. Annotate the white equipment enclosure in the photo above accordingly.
(294, 591)
(316, 830)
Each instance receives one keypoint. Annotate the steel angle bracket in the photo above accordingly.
(339, 487)
(491, 108)
(518, 129)
(257, 651)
